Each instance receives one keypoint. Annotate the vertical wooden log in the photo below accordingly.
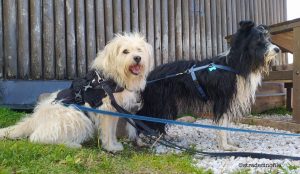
(80, 38)
(71, 41)
(256, 11)
(296, 76)
(197, 30)
(60, 39)
(242, 9)
(259, 11)
(203, 14)
(229, 14)
(191, 11)
(263, 12)
(208, 29)
(251, 11)
(185, 30)
(234, 16)
(164, 32)
(23, 39)
(10, 38)
(117, 9)
(219, 25)
(281, 9)
(178, 29)
(247, 9)
(126, 15)
(142, 17)
(91, 31)
(238, 10)
(157, 31)
(36, 39)
(268, 13)
(135, 15)
(150, 22)
(224, 25)
(284, 10)
(48, 40)
(100, 24)
(108, 10)
(171, 27)
(1, 42)
(214, 34)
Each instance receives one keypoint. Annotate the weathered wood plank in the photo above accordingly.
(202, 14)
(126, 15)
(256, 11)
(91, 31)
(219, 26)
(23, 39)
(178, 29)
(1, 42)
(242, 9)
(135, 15)
(223, 25)
(80, 38)
(150, 23)
(247, 9)
(263, 12)
(171, 27)
(10, 38)
(36, 39)
(157, 32)
(234, 18)
(284, 10)
(197, 30)
(296, 76)
(185, 30)
(60, 39)
(238, 10)
(117, 9)
(48, 40)
(208, 29)
(71, 39)
(100, 22)
(214, 34)
(229, 14)
(142, 17)
(109, 30)
(191, 10)
(164, 31)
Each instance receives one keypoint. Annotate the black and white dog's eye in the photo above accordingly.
(125, 51)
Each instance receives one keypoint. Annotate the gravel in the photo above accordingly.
(205, 139)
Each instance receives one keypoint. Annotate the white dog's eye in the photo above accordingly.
(139, 49)
(125, 51)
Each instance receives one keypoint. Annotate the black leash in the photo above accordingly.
(154, 136)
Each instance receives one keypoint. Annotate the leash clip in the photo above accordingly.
(212, 67)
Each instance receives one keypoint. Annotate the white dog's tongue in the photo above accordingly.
(135, 69)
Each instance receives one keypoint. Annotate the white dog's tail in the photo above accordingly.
(21, 130)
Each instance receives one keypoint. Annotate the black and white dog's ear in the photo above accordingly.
(263, 28)
(246, 25)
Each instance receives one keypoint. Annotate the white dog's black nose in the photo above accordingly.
(276, 49)
(137, 59)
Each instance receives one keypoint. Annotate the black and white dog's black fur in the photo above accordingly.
(229, 95)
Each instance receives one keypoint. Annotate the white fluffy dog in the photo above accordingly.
(126, 60)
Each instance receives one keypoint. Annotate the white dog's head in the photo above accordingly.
(127, 59)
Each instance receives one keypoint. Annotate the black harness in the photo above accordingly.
(90, 89)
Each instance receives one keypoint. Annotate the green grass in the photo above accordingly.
(21, 156)
(278, 111)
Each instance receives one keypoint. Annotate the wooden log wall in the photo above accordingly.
(58, 39)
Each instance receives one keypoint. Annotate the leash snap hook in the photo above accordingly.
(212, 67)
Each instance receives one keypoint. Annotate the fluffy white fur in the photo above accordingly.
(53, 123)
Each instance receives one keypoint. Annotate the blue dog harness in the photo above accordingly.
(210, 67)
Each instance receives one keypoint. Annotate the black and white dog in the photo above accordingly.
(229, 95)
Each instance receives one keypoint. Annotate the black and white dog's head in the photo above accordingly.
(251, 48)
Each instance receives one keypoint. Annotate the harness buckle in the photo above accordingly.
(212, 67)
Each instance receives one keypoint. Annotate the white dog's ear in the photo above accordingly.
(151, 56)
(105, 57)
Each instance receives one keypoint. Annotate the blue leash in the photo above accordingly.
(165, 121)
(172, 145)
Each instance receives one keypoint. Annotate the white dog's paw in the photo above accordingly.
(113, 147)
(228, 147)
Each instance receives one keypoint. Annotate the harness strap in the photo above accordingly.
(196, 83)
